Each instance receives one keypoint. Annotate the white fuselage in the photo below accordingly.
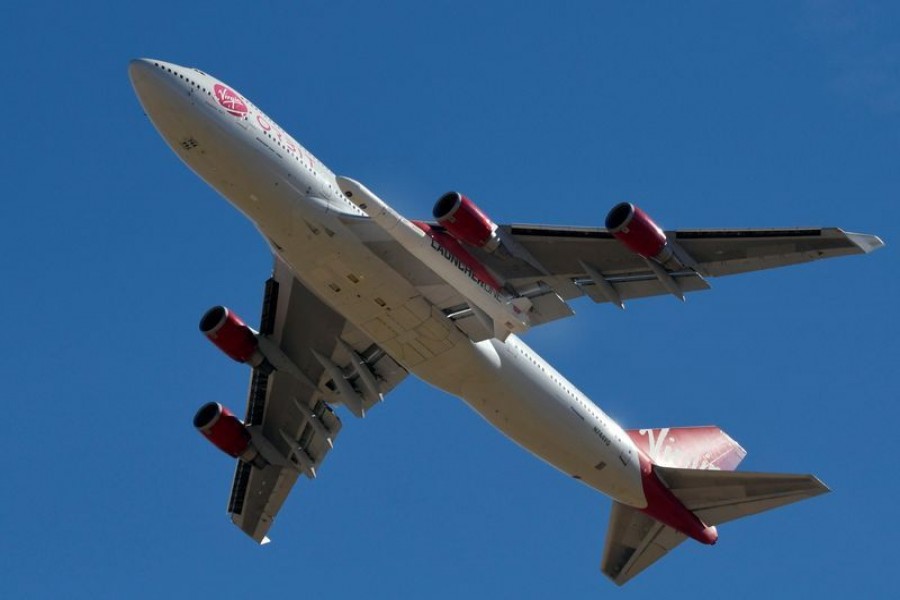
(294, 201)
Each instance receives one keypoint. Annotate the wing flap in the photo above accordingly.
(264, 493)
(634, 541)
(640, 284)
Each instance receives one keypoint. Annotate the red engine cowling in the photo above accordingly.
(631, 226)
(465, 221)
(223, 429)
(229, 333)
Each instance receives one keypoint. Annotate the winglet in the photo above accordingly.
(865, 242)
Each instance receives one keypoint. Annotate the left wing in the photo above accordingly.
(318, 358)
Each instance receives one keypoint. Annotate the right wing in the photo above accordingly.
(288, 411)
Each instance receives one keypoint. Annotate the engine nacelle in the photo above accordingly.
(466, 222)
(224, 430)
(229, 333)
(631, 226)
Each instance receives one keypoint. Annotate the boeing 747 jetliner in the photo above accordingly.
(360, 297)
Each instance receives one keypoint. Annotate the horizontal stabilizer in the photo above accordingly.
(720, 496)
(634, 541)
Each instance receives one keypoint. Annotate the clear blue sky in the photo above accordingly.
(714, 114)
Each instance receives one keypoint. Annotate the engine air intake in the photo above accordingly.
(466, 222)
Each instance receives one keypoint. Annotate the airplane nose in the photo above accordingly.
(139, 69)
(155, 87)
(147, 80)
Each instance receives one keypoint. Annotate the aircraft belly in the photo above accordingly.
(353, 281)
(226, 155)
(528, 407)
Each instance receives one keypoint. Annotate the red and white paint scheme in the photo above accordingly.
(360, 297)
(229, 100)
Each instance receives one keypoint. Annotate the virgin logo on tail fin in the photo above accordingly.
(689, 447)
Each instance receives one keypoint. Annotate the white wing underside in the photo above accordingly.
(293, 412)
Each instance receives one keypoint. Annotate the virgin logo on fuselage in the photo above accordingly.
(230, 101)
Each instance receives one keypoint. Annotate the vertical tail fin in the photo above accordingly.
(689, 447)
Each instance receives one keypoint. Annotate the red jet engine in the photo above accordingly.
(224, 430)
(229, 333)
(465, 221)
(631, 226)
